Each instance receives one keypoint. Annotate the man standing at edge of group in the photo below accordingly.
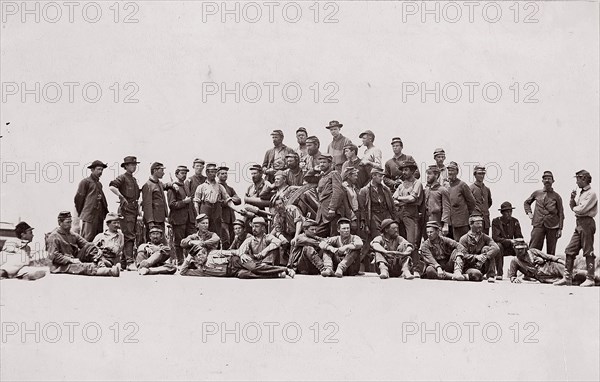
(336, 147)
(585, 207)
(548, 216)
(90, 202)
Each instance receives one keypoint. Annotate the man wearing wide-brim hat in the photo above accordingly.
(127, 189)
(90, 202)
(548, 217)
(111, 241)
(505, 230)
(336, 147)
(392, 252)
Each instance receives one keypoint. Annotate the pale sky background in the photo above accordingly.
(369, 53)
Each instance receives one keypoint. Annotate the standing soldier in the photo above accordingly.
(483, 197)
(437, 200)
(152, 257)
(331, 196)
(336, 147)
(548, 217)
(349, 182)
(439, 155)
(278, 152)
(372, 155)
(312, 160)
(192, 183)
(443, 257)
(126, 187)
(72, 254)
(90, 202)
(182, 214)
(301, 150)
(352, 160)
(393, 174)
(505, 230)
(154, 203)
(392, 252)
(294, 174)
(409, 198)
(111, 241)
(210, 197)
(480, 252)
(462, 203)
(585, 207)
(341, 252)
(15, 259)
(228, 215)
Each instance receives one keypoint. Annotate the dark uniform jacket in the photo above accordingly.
(154, 204)
(129, 188)
(462, 203)
(503, 231)
(90, 201)
(364, 201)
(438, 252)
(549, 212)
(331, 196)
(180, 213)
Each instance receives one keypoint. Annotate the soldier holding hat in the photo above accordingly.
(483, 197)
(437, 200)
(261, 246)
(548, 217)
(278, 152)
(585, 206)
(16, 261)
(534, 264)
(480, 252)
(111, 241)
(462, 203)
(72, 254)
(505, 230)
(341, 252)
(336, 147)
(90, 202)
(182, 215)
(152, 256)
(126, 187)
(393, 174)
(392, 252)
(443, 257)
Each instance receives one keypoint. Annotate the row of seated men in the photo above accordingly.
(262, 255)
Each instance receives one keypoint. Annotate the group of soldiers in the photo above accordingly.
(341, 212)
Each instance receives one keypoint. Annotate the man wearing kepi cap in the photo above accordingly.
(182, 215)
(278, 152)
(152, 257)
(372, 155)
(393, 174)
(192, 183)
(585, 206)
(534, 264)
(439, 155)
(483, 197)
(505, 230)
(548, 217)
(480, 252)
(392, 252)
(261, 246)
(227, 215)
(111, 241)
(154, 203)
(301, 150)
(443, 257)
(462, 203)
(16, 260)
(352, 160)
(90, 202)
(341, 252)
(336, 147)
(437, 200)
(72, 254)
(126, 187)
(331, 197)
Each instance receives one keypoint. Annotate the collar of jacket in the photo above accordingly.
(433, 185)
(94, 177)
(586, 188)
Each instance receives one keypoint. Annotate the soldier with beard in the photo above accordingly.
(480, 252)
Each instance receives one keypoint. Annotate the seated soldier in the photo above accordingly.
(481, 252)
(152, 257)
(505, 229)
(304, 257)
(15, 258)
(392, 252)
(72, 254)
(287, 225)
(342, 252)
(535, 264)
(261, 246)
(443, 257)
(111, 241)
(239, 234)
(580, 272)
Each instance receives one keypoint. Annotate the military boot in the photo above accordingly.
(406, 274)
(35, 275)
(458, 269)
(104, 271)
(327, 270)
(568, 277)
(590, 268)
(383, 271)
(341, 268)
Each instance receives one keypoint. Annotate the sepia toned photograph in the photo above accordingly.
(299, 190)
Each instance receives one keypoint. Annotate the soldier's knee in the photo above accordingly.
(431, 273)
(474, 275)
